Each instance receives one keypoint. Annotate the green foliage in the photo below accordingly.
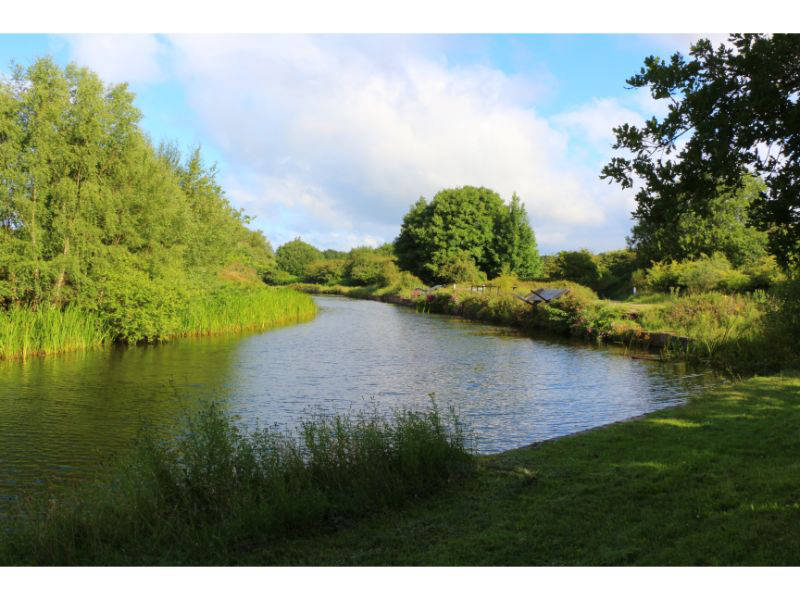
(325, 271)
(26, 332)
(725, 105)
(460, 268)
(608, 273)
(276, 276)
(215, 489)
(783, 323)
(468, 220)
(616, 273)
(367, 267)
(578, 266)
(93, 217)
(723, 228)
(134, 314)
(712, 273)
(293, 257)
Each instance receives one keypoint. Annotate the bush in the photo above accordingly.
(783, 323)
(764, 273)
(369, 269)
(703, 275)
(325, 271)
(293, 257)
(279, 277)
(460, 268)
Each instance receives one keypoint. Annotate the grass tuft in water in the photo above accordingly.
(26, 332)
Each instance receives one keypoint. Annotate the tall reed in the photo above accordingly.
(232, 311)
(26, 332)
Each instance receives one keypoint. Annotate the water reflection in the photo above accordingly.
(59, 415)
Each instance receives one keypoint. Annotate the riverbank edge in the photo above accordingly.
(442, 302)
(93, 336)
(708, 482)
(710, 487)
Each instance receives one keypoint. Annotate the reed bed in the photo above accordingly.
(26, 332)
(234, 311)
(215, 491)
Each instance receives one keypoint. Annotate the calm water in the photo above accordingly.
(61, 416)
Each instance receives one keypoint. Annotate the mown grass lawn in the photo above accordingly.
(714, 482)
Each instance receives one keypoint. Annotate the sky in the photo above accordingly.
(333, 137)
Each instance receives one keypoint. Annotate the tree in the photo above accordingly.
(467, 220)
(579, 266)
(515, 241)
(92, 215)
(732, 110)
(326, 271)
(689, 235)
(293, 257)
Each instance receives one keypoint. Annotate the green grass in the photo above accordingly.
(25, 332)
(735, 334)
(243, 310)
(713, 482)
(216, 492)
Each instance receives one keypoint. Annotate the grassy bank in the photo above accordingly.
(228, 308)
(215, 492)
(713, 482)
(737, 334)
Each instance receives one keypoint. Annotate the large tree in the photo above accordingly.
(732, 110)
(467, 221)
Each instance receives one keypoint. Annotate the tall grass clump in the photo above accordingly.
(27, 331)
(233, 310)
(742, 334)
(214, 492)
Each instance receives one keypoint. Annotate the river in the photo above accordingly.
(62, 416)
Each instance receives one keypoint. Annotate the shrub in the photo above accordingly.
(325, 271)
(368, 269)
(293, 257)
(460, 268)
(783, 323)
(279, 277)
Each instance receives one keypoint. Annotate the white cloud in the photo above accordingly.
(334, 132)
(121, 57)
(334, 137)
(596, 120)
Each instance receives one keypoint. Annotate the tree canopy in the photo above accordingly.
(467, 222)
(724, 229)
(294, 256)
(732, 110)
(91, 213)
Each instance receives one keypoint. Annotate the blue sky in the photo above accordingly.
(333, 137)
